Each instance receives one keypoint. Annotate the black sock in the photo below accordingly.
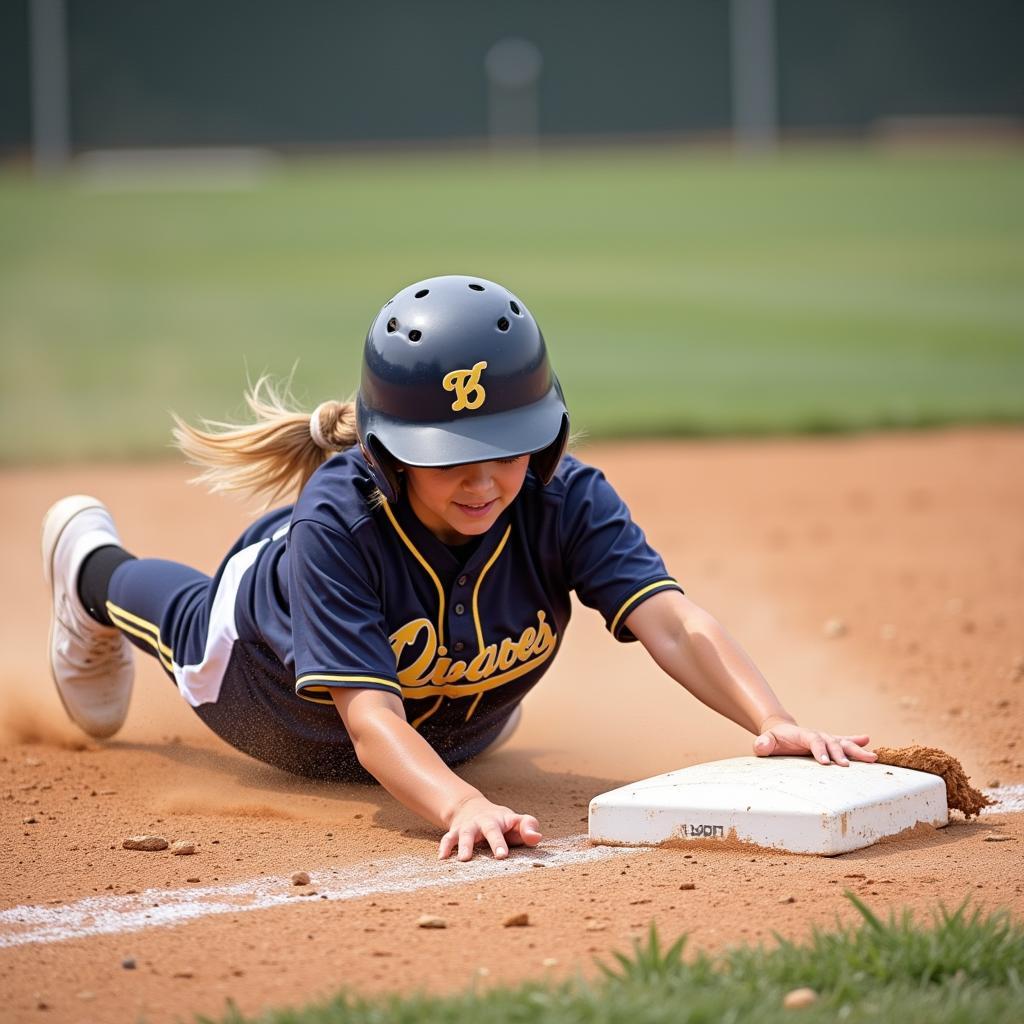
(94, 579)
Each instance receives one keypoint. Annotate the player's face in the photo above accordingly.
(459, 502)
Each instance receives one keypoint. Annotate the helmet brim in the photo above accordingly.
(501, 435)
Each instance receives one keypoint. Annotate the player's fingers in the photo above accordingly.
(817, 747)
(495, 839)
(765, 744)
(855, 750)
(447, 844)
(835, 750)
(467, 840)
(525, 831)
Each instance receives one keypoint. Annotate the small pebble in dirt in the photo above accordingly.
(516, 921)
(1000, 839)
(799, 998)
(300, 878)
(993, 784)
(149, 843)
(183, 848)
(788, 899)
(549, 961)
(596, 926)
(686, 886)
(834, 628)
(128, 963)
(537, 864)
(431, 921)
(191, 879)
(30, 821)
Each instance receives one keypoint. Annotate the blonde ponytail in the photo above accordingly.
(273, 457)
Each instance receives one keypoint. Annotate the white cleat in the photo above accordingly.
(91, 664)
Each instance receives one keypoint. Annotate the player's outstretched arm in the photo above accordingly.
(402, 761)
(695, 649)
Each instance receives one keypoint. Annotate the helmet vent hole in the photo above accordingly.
(515, 308)
(415, 335)
(392, 325)
(477, 287)
(503, 324)
(422, 292)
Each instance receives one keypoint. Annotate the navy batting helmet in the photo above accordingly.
(455, 370)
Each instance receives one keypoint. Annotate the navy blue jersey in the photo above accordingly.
(346, 593)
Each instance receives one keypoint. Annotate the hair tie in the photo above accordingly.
(315, 430)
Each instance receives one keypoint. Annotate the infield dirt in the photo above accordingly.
(913, 544)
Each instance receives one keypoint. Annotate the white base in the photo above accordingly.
(782, 803)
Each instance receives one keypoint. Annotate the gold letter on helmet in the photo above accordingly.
(469, 392)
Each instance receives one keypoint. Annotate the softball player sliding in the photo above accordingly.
(419, 586)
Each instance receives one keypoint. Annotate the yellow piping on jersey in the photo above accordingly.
(476, 611)
(476, 589)
(303, 682)
(668, 582)
(426, 565)
(144, 630)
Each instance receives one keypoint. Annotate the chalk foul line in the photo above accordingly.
(108, 915)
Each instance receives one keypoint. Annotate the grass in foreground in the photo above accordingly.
(966, 967)
(681, 291)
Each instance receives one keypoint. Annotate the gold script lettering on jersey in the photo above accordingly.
(428, 675)
(469, 392)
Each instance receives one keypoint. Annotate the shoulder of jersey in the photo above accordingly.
(337, 494)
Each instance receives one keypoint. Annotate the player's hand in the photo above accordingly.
(790, 738)
(479, 821)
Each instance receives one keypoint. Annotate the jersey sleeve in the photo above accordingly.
(338, 631)
(607, 558)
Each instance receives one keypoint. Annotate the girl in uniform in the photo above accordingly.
(389, 623)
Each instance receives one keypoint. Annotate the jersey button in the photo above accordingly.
(459, 608)
(458, 645)
(462, 580)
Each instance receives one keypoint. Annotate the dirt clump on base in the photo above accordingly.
(960, 794)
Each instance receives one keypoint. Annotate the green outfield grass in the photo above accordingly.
(965, 968)
(681, 291)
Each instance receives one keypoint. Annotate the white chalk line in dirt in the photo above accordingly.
(1008, 799)
(108, 915)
